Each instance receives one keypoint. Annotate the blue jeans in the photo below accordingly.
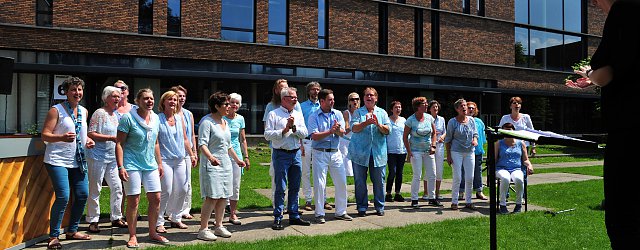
(286, 166)
(477, 175)
(395, 162)
(64, 180)
(377, 178)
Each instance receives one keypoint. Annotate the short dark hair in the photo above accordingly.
(508, 125)
(217, 99)
(324, 93)
(72, 81)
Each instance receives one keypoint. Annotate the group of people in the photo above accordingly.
(130, 147)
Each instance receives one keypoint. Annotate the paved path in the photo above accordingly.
(256, 223)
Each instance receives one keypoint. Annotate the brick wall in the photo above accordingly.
(500, 9)
(423, 3)
(18, 12)
(119, 15)
(160, 17)
(201, 18)
(262, 21)
(596, 19)
(451, 5)
(353, 25)
(303, 23)
(476, 40)
(426, 34)
(401, 31)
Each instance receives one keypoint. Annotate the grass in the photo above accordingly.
(582, 228)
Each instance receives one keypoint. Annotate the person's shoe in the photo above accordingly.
(299, 221)
(320, 220)
(461, 196)
(425, 197)
(307, 206)
(470, 206)
(380, 212)
(435, 203)
(398, 198)
(345, 217)
(414, 203)
(481, 196)
(235, 222)
(454, 206)
(206, 234)
(388, 198)
(222, 232)
(517, 209)
(503, 210)
(327, 206)
(277, 225)
(179, 225)
(119, 223)
(440, 198)
(362, 213)
(227, 209)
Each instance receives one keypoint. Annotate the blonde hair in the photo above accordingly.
(166, 96)
(353, 95)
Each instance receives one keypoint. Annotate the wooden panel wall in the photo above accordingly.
(25, 203)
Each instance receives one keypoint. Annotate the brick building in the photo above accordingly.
(482, 50)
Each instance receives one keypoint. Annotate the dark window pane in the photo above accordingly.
(522, 11)
(404, 78)
(145, 17)
(369, 75)
(572, 51)
(236, 67)
(310, 72)
(321, 43)
(257, 69)
(64, 58)
(44, 20)
(277, 39)
(173, 18)
(521, 47)
(240, 36)
(339, 74)
(573, 15)
(45, 5)
(278, 71)
(237, 14)
(546, 48)
(278, 16)
(109, 61)
(178, 64)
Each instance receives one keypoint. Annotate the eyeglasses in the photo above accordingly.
(354, 99)
(515, 103)
(292, 97)
(369, 95)
(123, 88)
(471, 108)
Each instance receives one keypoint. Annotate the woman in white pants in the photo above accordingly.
(239, 143)
(102, 161)
(441, 132)
(353, 101)
(510, 155)
(174, 146)
(462, 137)
(189, 122)
(421, 148)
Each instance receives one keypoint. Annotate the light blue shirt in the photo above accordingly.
(270, 107)
(235, 126)
(461, 135)
(308, 107)
(188, 122)
(369, 141)
(320, 122)
(171, 138)
(420, 139)
(441, 127)
(277, 121)
(482, 138)
(139, 152)
(394, 139)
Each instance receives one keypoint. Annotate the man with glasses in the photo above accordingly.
(285, 128)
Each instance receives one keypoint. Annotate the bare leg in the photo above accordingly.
(132, 209)
(219, 207)
(437, 188)
(207, 209)
(154, 209)
(234, 205)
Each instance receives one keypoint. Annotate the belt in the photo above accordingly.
(326, 149)
(286, 150)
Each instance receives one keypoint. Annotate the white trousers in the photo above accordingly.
(237, 175)
(423, 165)
(174, 190)
(344, 150)
(439, 161)
(186, 207)
(518, 179)
(306, 170)
(466, 159)
(99, 170)
(332, 161)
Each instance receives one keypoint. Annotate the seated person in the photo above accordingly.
(510, 154)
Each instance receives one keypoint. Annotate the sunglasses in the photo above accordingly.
(123, 88)
(354, 99)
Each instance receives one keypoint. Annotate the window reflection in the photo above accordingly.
(278, 17)
(238, 20)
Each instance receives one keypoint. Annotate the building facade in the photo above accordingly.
(485, 51)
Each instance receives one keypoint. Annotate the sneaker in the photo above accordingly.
(503, 210)
(454, 206)
(388, 198)
(345, 216)
(517, 209)
(414, 203)
(206, 234)
(470, 206)
(362, 213)
(435, 202)
(398, 198)
(222, 232)
(307, 206)
(425, 197)
(440, 198)
(320, 220)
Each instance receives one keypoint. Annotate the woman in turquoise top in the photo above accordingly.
(139, 163)
(214, 142)
(462, 137)
(510, 155)
(368, 151)
(421, 148)
(239, 144)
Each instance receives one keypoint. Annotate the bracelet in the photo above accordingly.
(588, 73)
(121, 167)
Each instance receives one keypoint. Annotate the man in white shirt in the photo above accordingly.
(284, 129)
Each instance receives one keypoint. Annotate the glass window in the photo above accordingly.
(174, 18)
(323, 26)
(546, 13)
(145, 17)
(236, 67)
(522, 47)
(546, 49)
(573, 15)
(278, 18)
(572, 51)
(522, 11)
(340, 74)
(44, 13)
(238, 20)
(466, 6)
(184, 64)
(310, 72)
(278, 71)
